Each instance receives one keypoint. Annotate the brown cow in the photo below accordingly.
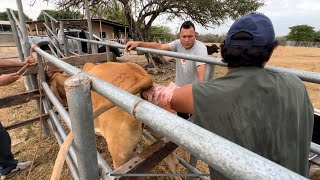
(120, 129)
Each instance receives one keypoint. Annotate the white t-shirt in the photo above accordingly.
(186, 70)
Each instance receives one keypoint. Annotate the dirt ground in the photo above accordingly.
(26, 144)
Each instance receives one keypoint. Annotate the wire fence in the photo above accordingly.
(303, 44)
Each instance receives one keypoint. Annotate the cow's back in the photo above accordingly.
(123, 75)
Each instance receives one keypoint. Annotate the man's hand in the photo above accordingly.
(132, 45)
(30, 61)
(6, 79)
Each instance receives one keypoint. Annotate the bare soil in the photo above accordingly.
(26, 143)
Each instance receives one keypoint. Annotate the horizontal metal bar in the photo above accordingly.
(313, 77)
(26, 122)
(71, 52)
(53, 19)
(219, 153)
(157, 175)
(18, 99)
(69, 69)
(181, 161)
(304, 75)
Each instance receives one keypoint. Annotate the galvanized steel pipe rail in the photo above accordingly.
(303, 75)
(228, 158)
(48, 15)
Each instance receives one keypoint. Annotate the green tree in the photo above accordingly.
(317, 36)
(4, 16)
(281, 40)
(301, 33)
(162, 33)
(115, 14)
(140, 14)
(61, 15)
(210, 38)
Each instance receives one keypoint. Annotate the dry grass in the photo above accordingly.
(26, 139)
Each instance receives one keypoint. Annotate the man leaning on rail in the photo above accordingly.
(8, 164)
(186, 71)
(269, 113)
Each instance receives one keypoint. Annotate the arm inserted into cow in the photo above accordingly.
(161, 95)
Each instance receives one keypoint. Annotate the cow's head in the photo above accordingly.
(56, 78)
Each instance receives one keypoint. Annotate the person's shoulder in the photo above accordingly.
(290, 76)
(290, 79)
(174, 43)
(219, 84)
(199, 43)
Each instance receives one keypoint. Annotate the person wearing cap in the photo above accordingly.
(268, 113)
(186, 71)
(8, 164)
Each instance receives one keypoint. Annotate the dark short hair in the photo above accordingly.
(187, 25)
(239, 55)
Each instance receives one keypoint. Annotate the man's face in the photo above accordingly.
(187, 37)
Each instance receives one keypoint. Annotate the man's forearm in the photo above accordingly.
(6, 63)
(201, 69)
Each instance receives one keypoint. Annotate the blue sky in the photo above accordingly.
(283, 14)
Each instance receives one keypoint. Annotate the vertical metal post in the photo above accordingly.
(46, 21)
(80, 107)
(72, 43)
(37, 30)
(209, 72)
(44, 123)
(125, 35)
(79, 46)
(64, 39)
(100, 26)
(109, 58)
(15, 34)
(93, 46)
(26, 44)
(22, 20)
(52, 27)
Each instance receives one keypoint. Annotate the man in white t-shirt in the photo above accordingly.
(186, 71)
